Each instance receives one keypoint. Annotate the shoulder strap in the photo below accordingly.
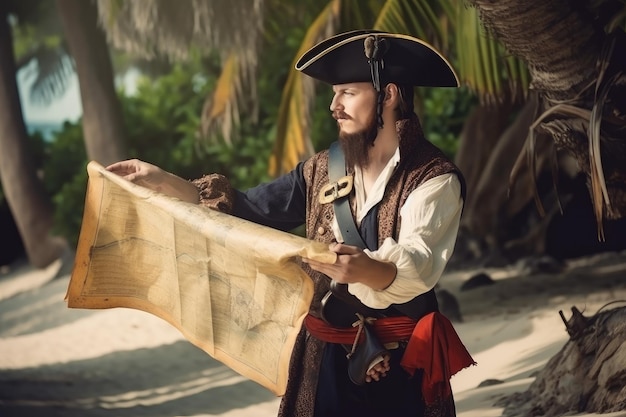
(415, 308)
(336, 170)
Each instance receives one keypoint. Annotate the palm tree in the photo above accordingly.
(103, 124)
(155, 29)
(498, 67)
(564, 82)
(489, 144)
(575, 56)
(24, 191)
(102, 121)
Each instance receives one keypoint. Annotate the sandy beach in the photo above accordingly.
(56, 361)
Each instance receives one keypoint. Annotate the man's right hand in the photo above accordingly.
(139, 172)
(156, 179)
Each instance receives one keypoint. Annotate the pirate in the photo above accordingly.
(389, 203)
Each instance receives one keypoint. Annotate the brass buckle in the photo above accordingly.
(334, 190)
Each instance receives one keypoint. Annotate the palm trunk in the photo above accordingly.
(480, 135)
(103, 124)
(24, 192)
(487, 196)
(563, 48)
(560, 46)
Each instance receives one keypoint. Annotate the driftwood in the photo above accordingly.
(587, 375)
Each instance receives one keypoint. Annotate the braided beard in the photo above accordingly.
(356, 146)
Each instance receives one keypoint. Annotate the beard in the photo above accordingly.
(356, 146)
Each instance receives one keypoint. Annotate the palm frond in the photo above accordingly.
(163, 28)
(52, 69)
(221, 110)
(392, 19)
(293, 142)
(473, 52)
(417, 18)
(617, 20)
(149, 28)
(517, 75)
(528, 155)
(529, 152)
(599, 192)
(482, 62)
(358, 14)
(40, 51)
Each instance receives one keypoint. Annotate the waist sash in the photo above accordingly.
(433, 346)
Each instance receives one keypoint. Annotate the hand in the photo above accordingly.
(353, 265)
(156, 179)
(139, 172)
(379, 369)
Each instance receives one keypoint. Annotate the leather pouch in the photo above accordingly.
(366, 355)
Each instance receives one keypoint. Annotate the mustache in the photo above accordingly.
(340, 115)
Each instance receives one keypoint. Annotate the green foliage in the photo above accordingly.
(442, 113)
(442, 116)
(36, 148)
(64, 157)
(69, 203)
(65, 178)
(162, 117)
(324, 127)
(39, 48)
(162, 121)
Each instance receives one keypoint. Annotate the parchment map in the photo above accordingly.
(233, 288)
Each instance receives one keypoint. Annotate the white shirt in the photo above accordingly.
(429, 223)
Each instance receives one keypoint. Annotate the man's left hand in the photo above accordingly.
(379, 370)
(353, 265)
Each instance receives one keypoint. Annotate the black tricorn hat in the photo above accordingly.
(402, 59)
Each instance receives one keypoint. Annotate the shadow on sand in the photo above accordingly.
(170, 380)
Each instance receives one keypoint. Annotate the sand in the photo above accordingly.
(56, 361)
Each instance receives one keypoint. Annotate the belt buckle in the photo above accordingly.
(334, 190)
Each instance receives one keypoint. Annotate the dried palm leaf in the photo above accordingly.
(173, 29)
(528, 150)
(293, 141)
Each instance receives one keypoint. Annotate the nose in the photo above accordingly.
(334, 103)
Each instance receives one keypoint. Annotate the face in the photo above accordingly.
(353, 107)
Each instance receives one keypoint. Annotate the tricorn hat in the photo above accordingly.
(379, 57)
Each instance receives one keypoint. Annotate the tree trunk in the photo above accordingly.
(481, 134)
(481, 131)
(586, 376)
(103, 124)
(24, 192)
(564, 50)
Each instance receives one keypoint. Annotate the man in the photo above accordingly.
(404, 200)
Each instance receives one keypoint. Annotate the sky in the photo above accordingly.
(66, 107)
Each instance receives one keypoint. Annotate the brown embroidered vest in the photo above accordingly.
(419, 161)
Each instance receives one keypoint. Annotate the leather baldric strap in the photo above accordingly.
(341, 204)
(339, 306)
(338, 192)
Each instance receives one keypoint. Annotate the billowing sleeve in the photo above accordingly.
(429, 224)
(215, 192)
(280, 203)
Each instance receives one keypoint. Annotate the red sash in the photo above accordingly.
(433, 345)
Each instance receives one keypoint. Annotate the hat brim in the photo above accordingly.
(341, 59)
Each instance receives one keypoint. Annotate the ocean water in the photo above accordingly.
(47, 129)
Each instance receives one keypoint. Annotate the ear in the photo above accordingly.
(391, 95)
